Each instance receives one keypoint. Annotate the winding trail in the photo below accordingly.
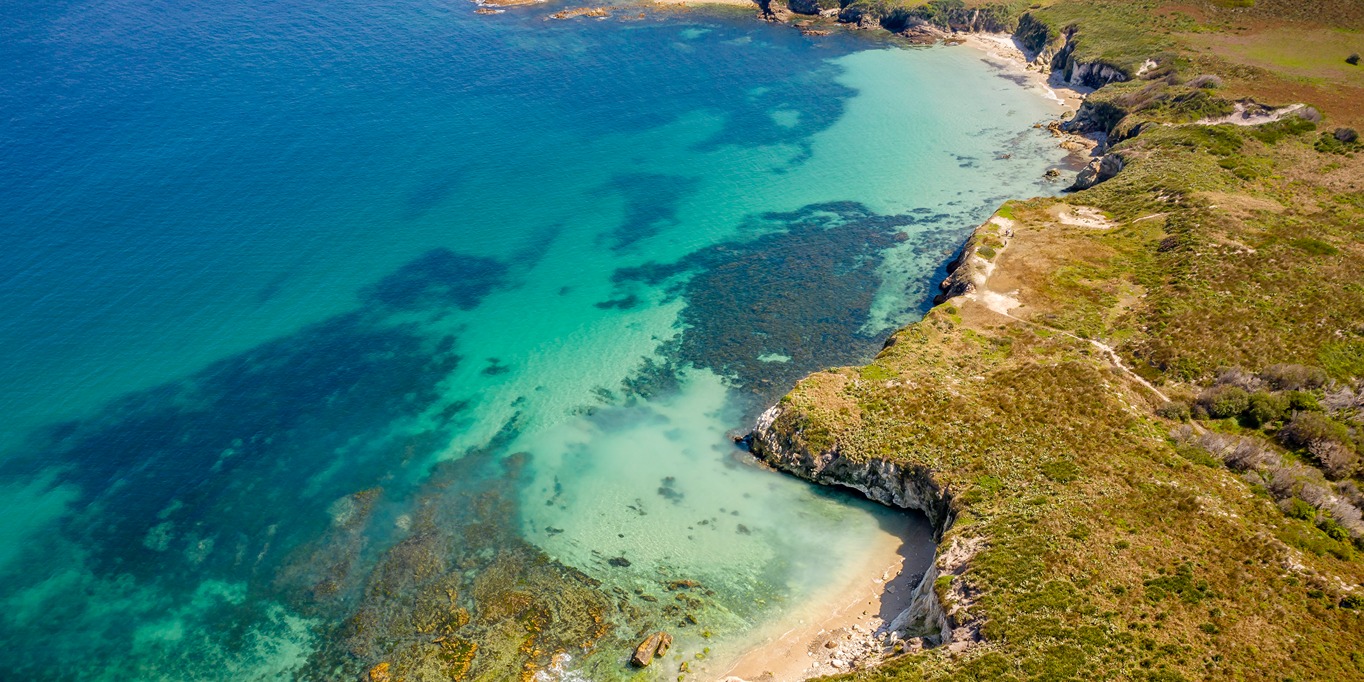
(1113, 356)
(1242, 117)
(1002, 303)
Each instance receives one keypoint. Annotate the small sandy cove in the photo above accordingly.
(825, 634)
(1004, 52)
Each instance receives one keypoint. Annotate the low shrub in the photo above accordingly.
(1303, 400)
(1330, 143)
(1337, 460)
(1342, 359)
(1175, 410)
(1306, 428)
(1061, 471)
(1353, 60)
(1333, 530)
(1207, 82)
(1197, 455)
(1222, 402)
(1295, 508)
(1316, 247)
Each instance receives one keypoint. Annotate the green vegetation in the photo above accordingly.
(1217, 534)
(1123, 33)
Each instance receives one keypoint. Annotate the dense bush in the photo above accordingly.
(1308, 427)
(1352, 60)
(1298, 509)
(1224, 401)
(1176, 410)
(1337, 459)
(1265, 408)
(1303, 400)
(1206, 82)
(1293, 377)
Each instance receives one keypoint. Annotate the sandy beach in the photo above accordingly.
(838, 628)
(1003, 51)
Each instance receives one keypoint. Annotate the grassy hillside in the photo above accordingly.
(1205, 525)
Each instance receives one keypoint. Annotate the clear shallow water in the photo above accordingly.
(348, 333)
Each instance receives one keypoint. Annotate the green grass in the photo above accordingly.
(1112, 551)
(1123, 33)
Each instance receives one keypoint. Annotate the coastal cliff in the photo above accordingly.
(1051, 44)
(777, 441)
(933, 614)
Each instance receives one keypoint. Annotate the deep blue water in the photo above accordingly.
(344, 334)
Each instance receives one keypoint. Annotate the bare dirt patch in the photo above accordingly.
(1081, 216)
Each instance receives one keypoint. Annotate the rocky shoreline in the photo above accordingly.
(937, 614)
(930, 619)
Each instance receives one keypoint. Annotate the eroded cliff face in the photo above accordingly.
(777, 440)
(1056, 51)
(1103, 168)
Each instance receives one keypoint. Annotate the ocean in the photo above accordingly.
(355, 339)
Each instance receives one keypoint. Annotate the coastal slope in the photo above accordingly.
(1135, 417)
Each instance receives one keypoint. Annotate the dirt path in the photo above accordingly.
(1242, 117)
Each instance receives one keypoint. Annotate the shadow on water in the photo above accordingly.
(916, 551)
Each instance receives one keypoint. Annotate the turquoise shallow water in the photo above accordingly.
(341, 334)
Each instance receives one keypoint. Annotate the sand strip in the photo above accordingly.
(1004, 52)
(832, 631)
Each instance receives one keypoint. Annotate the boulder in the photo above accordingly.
(1097, 171)
(656, 644)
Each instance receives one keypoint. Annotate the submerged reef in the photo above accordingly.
(461, 596)
(802, 291)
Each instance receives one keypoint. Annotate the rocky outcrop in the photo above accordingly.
(1037, 38)
(1089, 74)
(938, 611)
(968, 270)
(775, 441)
(1056, 50)
(655, 645)
(1100, 115)
(960, 281)
(1097, 171)
(1072, 71)
(942, 16)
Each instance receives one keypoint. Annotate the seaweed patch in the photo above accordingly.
(439, 278)
(802, 290)
(651, 202)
